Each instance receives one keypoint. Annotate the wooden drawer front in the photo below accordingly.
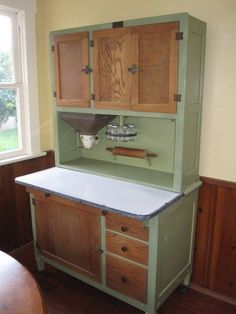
(126, 277)
(128, 248)
(129, 226)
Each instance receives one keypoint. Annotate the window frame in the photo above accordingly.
(18, 83)
(26, 79)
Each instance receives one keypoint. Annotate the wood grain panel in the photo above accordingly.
(127, 278)
(131, 249)
(155, 52)
(127, 226)
(112, 58)
(69, 235)
(222, 277)
(15, 220)
(203, 239)
(8, 220)
(71, 55)
(214, 258)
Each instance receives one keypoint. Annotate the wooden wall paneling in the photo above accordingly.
(15, 220)
(8, 232)
(222, 275)
(22, 201)
(47, 161)
(215, 253)
(205, 219)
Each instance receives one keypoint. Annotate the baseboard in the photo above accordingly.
(20, 248)
(213, 294)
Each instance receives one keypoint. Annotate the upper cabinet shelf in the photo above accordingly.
(130, 68)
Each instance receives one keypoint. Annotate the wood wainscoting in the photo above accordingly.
(215, 245)
(15, 221)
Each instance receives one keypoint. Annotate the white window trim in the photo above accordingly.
(32, 124)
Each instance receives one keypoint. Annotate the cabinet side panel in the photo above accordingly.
(67, 142)
(193, 98)
(176, 233)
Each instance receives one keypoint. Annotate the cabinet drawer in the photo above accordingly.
(125, 225)
(126, 277)
(128, 248)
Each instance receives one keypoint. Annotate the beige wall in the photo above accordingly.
(218, 143)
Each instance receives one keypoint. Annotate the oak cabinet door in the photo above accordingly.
(72, 70)
(112, 58)
(154, 67)
(70, 236)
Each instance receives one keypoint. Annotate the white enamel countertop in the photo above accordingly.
(129, 199)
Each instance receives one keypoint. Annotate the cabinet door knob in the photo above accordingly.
(124, 279)
(86, 69)
(124, 228)
(133, 69)
(124, 248)
(98, 249)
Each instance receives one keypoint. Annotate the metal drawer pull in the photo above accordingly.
(124, 279)
(86, 69)
(124, 228)
(124, 248)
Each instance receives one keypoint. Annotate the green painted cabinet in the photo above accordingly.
(147, 73)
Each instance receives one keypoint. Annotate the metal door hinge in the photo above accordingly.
(53, 48)
(92, 96)
(117, 24)
(55, 94)
(179, 36)
(33, 201)
(91, 43)
(177, 97)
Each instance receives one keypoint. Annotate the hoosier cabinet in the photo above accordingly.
(118, 210)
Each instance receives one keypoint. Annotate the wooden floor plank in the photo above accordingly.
(66, 295)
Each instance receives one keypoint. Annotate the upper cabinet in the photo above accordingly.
(133, 68)
(71, 69)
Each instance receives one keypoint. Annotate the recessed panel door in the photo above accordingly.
(69, 235)
(72, 69)
(112, 58)
(154, 67)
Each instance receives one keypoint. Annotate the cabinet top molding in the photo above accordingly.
(180, 17)
(125, 198)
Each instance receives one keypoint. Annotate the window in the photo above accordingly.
(12, 139)
(19, 118)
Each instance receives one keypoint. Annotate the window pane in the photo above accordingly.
(6, 51)
(9, 139)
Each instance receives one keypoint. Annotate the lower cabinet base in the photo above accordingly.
(147, 282)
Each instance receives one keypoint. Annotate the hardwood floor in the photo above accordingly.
(64, 294)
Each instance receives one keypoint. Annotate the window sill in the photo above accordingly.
(21, 158)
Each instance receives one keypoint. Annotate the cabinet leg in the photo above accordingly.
(186, 281)
(40, 264)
